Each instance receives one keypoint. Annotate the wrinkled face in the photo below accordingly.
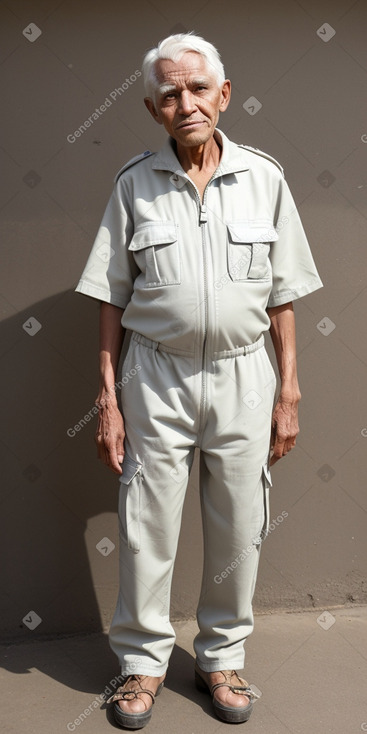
(188, 99)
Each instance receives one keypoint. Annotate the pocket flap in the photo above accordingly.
(153, 233)
(252, 231)
(130, 469)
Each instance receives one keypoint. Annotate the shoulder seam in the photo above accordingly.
(132, 162)
(261, 153)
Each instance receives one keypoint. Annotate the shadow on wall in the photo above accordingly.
(58, 501)
(59, 529)
(59, 558)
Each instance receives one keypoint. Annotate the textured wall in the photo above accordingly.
(305, 63)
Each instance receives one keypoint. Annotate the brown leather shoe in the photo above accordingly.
(128, 693)
(230, 714)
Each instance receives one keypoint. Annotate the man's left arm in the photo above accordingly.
(285, 416)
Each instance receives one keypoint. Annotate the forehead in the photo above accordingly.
(190, 64)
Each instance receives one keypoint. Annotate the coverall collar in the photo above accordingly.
(232, 158)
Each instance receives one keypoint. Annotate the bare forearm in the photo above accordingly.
(111, 335)
(285, 426)
(110, 432)
(283, 335)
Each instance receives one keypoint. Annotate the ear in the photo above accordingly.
(150, 106)
(225, 95)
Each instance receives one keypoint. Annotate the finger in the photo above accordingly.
(113, 460)
(278, 448)
(273, 460)
(120, 449)
(289, 445)
(103, 449)
(273, 434)
(100, 446)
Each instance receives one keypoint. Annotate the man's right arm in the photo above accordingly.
(110, 432)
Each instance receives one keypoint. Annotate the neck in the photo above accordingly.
(201, 157)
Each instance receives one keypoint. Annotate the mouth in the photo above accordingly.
(190, 125)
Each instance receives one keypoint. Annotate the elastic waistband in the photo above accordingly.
(248, 349)
(224, 354)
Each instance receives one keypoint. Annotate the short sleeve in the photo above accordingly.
(294, 271)
(110, 269)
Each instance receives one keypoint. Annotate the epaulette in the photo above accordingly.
(264, 155)
(132, 162)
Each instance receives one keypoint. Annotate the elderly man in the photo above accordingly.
(200, 251)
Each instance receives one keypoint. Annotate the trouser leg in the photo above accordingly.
(159, 453)
(234, 494)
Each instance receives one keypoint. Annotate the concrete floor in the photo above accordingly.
(311, 670)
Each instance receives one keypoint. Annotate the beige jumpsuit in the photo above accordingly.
(195, 279)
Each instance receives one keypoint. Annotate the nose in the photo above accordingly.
(187, 103)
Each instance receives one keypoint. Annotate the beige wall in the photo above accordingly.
(57, 501)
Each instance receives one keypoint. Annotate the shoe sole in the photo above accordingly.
(134, 721)
(229, 714)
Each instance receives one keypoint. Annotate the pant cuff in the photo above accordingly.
(214, 666)
(155, 671)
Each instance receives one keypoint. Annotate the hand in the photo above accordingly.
(110, 435)
(285, 428)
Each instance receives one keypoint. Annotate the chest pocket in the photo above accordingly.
(156, 251)
(248, 246)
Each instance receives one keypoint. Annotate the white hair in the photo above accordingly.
(173, 48)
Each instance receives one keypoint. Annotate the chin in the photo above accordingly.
(194, 138)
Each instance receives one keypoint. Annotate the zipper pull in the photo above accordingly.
(203, 214)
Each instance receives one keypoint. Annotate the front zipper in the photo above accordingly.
(203, 219)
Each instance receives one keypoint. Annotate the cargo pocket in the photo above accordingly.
(156, 251)
(248, 246)
(267, 483)
(129, 503)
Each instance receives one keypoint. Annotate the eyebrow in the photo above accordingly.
(166, 88)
